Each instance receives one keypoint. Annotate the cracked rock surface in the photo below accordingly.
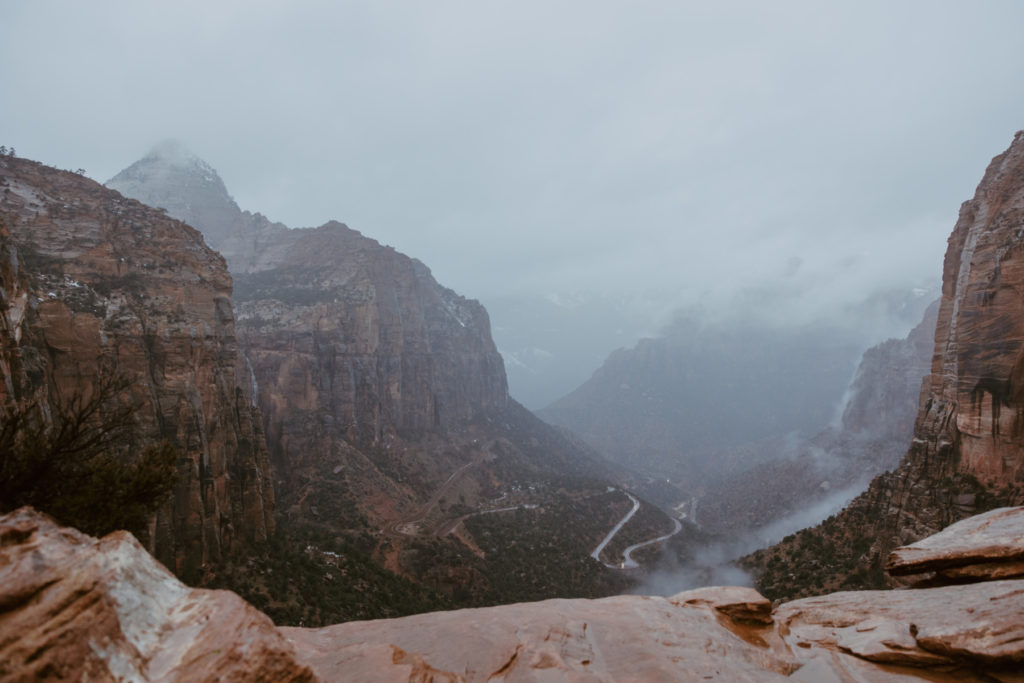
(73, 606)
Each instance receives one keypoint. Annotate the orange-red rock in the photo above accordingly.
(73, 607)
(91, 278)
(985, 546)
(974, 400)
(76, 607)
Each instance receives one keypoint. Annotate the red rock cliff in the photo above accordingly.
(973, 404)
(91, 278)
(343, 326)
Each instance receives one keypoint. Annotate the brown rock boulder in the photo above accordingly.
(78, 608)
(983, 547)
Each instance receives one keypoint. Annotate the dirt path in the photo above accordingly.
(411, 526)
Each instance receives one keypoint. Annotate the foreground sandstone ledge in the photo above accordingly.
(78, 608)
(979, 548)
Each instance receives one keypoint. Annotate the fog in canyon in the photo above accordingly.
(595, 174)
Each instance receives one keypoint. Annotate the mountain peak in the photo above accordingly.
(170, 176)
(175, 153)
(171, 150)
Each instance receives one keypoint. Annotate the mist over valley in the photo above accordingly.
(473, 342)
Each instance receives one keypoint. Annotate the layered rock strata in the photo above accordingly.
(332, 322)
(94, 282)
(983, 547)
(73, 606)
(967, 453)
(343, 327)
(972, 409)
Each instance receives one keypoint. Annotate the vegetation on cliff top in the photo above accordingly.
(64, 456)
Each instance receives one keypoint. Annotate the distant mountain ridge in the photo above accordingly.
(871, 437)
(671, 402)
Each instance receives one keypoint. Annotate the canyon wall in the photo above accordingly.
(342, 326)
(333, 322)
(967, 451)
(96, 283)
(973, 405)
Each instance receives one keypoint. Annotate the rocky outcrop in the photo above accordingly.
(75, 607)
(983, 547)
(93, 283)
(974, 626)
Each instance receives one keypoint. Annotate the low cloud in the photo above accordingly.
(714, 563)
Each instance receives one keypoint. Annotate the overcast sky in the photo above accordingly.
(551, 146)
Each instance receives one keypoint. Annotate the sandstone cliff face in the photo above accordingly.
(974, 402)
(967, 452)
(75, 607)
(92, 280)
(331, 321)
(365, 367)
(342, 326)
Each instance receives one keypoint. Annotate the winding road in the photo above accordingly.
(412, 526)
(611, 534)
(627, 555)
(630, 563)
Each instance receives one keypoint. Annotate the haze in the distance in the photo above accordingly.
(792, 156)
